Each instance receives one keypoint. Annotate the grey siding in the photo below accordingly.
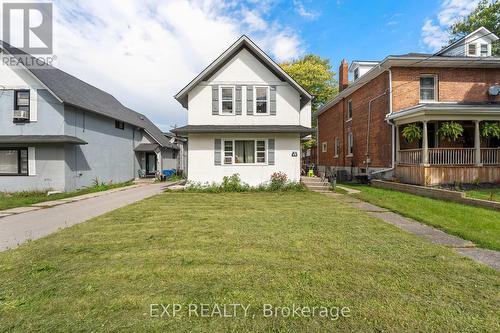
(168, 160)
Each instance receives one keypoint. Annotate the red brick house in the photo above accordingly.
(360, 130)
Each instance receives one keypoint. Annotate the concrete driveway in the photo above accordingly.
(19, 228)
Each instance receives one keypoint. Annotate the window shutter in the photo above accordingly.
(270, 151)
(273, 101)
(238, 100)
(33, 105)
(215, 100)
(217, 151)
(249, 100)
(31, 161)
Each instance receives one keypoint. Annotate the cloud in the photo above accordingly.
(145, 51)
(302, 11)
(434, 32)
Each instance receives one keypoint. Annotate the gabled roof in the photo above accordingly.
(75, 92)
(242, 42)
(485, 33)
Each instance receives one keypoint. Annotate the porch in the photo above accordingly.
(434, 159)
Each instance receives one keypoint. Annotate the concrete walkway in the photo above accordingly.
(29, 223)
(464, 247)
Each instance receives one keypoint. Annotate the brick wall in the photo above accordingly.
(333, 123)
(454, 85)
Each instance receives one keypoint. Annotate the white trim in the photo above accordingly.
(268, 101)
(349, 102)
(324, 147)
(350, 144)
(336, 148)
(436, 90)
(233, 112)
(33, 105)
(31, 161)
(233, 162)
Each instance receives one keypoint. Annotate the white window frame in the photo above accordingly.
(268, 102)
(234, 100)
(350, 144)
(356, 73)
(233, 162)
(349, 117)
(481, 50)
(324, 147)
(436, 91)
(337, 147)
(468, 49)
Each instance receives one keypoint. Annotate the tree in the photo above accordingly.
(315, 75)
(486, 15)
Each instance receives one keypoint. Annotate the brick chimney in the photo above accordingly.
(343, 75)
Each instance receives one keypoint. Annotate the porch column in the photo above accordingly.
(397, 145)
(477, 143)
(425, 145)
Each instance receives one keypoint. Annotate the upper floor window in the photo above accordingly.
(484, 50)
(472, 50)
(337, 147)
(350, 144)
(261, 100)
(14, 161)
(119, 124)
(428, 88)
(349, 110)
(227, 100)
(21, 105)
(356, 74)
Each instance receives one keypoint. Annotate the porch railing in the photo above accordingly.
(451, 156)
(490, 156)
(410, 156)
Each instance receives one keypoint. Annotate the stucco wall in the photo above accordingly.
(201, 156)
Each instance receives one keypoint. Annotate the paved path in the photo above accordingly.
(33, 224)
(464, 247)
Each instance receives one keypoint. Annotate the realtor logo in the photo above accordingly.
(28, 27)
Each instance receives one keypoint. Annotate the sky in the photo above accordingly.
(144, 51)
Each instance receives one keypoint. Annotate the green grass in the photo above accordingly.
(478, 225)
(20, 199)
(251, 248)
(485, 194)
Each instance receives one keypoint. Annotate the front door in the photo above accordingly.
(151, 163)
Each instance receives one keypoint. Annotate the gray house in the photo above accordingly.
(58, 132)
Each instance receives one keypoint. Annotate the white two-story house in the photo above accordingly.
(245, 116)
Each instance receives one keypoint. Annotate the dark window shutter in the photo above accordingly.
(249, 100)
(215, 100)
(270, 151)
(238, 100)
(217, 151)
(273, 101)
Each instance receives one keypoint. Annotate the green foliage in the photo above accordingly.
(450, 130)
(315, 75)
(486, 15)
(412, 132)
(278, 183)
(309, 144)
(490, 130)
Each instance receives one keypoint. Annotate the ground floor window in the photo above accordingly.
(244, 151)
(13, 161)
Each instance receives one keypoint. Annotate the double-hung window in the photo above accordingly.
(337, 147)
(14, 162)
(428, 88)
(472, 50)
(349, 110)
(227, 100)
(350, 143)
(245, 151)
(21, 105)
(484, 50)
(262, 100)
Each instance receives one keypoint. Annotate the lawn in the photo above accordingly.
(478, 225)
(253, 249)
(19, 199)
(485, 194)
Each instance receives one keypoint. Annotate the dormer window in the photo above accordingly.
(472, 50)
(227, 100)
(356, 74)
(484, 50)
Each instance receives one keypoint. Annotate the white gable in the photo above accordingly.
(244, 67)
(470, 45)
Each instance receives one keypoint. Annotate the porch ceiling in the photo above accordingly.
(446, 112)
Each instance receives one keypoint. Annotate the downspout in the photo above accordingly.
(393, 131)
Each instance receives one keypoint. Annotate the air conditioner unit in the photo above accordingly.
(21, 114)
